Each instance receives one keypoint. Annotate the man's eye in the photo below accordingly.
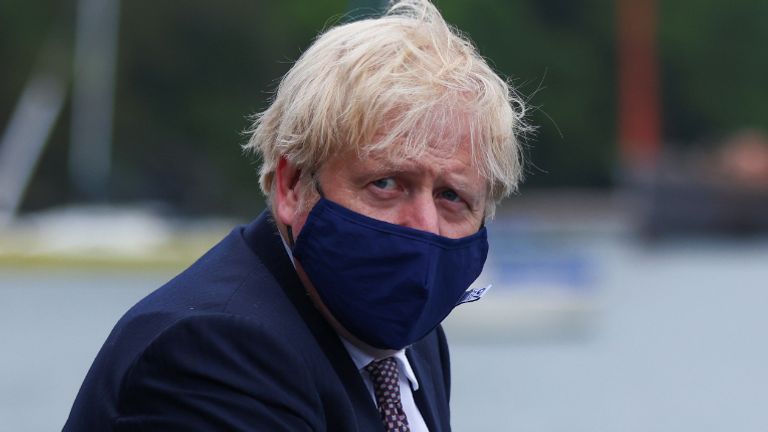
(450, 195)
(385, 183)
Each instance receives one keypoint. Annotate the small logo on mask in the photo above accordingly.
(473, 294)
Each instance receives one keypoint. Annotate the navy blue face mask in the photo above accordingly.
(387, 284)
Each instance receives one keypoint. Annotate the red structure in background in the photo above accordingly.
(639, 115)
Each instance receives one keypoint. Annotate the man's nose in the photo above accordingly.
(420, 212)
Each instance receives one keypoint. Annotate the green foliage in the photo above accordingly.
(715, 64)
(190, 73)
(559, 53)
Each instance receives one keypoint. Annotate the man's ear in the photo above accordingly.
(286, 198)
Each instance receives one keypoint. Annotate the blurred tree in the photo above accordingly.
(715, 66)
(190, 77)
(25, 28)
(560, 54)
(190, 73)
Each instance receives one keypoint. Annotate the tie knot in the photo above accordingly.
(384, 368)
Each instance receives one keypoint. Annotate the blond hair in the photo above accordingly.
(388, 84)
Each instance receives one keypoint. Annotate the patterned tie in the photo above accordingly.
(386, 386)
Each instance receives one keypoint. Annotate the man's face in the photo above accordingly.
(440, 192)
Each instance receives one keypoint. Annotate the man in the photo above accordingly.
(386, 147)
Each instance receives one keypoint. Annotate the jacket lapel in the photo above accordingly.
(272, 253)
(426, 394)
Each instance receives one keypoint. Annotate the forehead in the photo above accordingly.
(441, 137)
(398, 157)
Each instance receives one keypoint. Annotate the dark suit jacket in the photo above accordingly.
(233, 343)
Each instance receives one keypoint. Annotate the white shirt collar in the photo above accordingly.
(361, 360)
(287, 249)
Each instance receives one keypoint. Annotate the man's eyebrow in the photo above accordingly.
(456, 181)
(462, 182)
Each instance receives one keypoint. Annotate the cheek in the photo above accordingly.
(462, 227)
(455, 232)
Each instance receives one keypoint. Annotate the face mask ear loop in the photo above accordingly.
(318, 188)
(291, 242)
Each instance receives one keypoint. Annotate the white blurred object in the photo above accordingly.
(100, 231)
(24, 139)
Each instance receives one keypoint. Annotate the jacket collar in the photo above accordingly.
(264, 239)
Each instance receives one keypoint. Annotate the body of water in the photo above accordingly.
(600, 333)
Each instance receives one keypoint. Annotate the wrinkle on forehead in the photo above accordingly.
(432, 158)
(447, 133)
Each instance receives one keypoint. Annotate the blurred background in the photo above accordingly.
(630, 275)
